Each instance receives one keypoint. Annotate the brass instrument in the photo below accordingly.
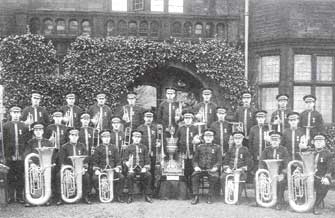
(72, 180)
(137, 166)
(30, 119)
(301, 193)
(38, 176)
(159, 144)
(106, 185)
(127, 139)
(266, 183)
(2, 112)
(236, 126)
(55, 139)
(232, 184)
(69, 118)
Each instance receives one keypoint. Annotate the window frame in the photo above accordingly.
(175, 6)
(137, 3)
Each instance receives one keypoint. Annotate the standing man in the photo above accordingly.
(206, 162)
(56, 132)
(15, 137)
(205, 111)
(35, 113)
(100, 113)
(138, 162)
(245, 114)
(71, 111)
(279, 119)
(167, 111)
(117, 135)
(131, 113)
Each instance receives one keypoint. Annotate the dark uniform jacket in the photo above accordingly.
(211, 111)
(106, 114)
(52, 128)
(163, 113)
(279, 152)
(223, 132)
(282, 115)
(117, 138)
(137, 115)
(181, 135)
(68, 150)
(324, 163)
(243, 156)
(42, 115)
(77, 112)
(23, 136)
(288, 142)
(144, 160)
(87, 138)
(255, 140)
(207, 156)
(99, 156)
(250, 119)
(316, 121)
(33, 144)
(152, 131)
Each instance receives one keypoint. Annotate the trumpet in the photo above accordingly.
(266, 183)
(38, 177)
(72, 180)
(126, 114)
(232, 184)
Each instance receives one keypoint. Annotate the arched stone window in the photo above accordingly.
(122, 26)
(143, 28)
(35, 25)
(209, 30)
(86, 28)
(73, 27)
(132, 28)
(198, 29)
(188, 29)
(220, 31)
(48, 26)
(60, 26)
(110, 28)
(154, 28)
(176, 29)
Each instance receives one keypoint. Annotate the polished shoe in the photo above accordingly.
(195, 200)
(59, 202)
(209, 200)
(20, 200)
(119, 199)
(130, 199)
(47, 204)
(148, 199)
(27, 205)
(87, 200)
(278, 206)
(316, 211)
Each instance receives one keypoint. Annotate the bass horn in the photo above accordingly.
(37, 174)
(300, 178)
(72, 180)
(106, 185)
(266, 183)
(232, 185)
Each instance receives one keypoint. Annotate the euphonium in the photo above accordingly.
(266, 183)
(232, 185)
(106, 185)
(71, 179)
(38, 178)
(301, 182)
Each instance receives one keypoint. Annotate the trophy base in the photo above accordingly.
(172, 170)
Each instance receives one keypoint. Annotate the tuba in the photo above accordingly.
(72, 180)
(106, 185)
(232, 185)
(266, 183)
(38, 176)
(301, 193)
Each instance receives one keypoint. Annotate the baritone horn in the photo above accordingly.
(232, 184)
(300, 178)
(72, 180)
(38, 176)
(266, 183)
(106, 185)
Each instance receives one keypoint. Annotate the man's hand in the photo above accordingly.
(143, 170)
(214, 169)
(280, 177)
(228, 171)
(325, 181)
(197, 169)
(117, 169)
(196, 139)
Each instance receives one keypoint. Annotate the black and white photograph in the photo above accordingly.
(167, 108)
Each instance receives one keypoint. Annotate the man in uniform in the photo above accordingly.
(222, 129)
(138, 162)
(279, 119)
(294, 136)
(205, 111)
(167, 111)
(71, 111)
(207, 161)
(117, 135)
(35, 113)
(75, 148)
(311, 120)
(237, 157)
(15, 136)
(100, 113)
(277, 151)
(131, 113)
(324, 168)
(106, 156)
(56, 132)
(245, 113)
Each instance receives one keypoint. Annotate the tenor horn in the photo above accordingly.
(301, 193)
(72, 180)
(232, 185)
(266, 183)
(106, 185)
(38, 176)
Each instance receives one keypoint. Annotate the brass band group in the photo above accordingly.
(104, 152)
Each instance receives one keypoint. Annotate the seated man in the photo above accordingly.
(206, 162)
(137, 160)
(238, 157)
(277, 151)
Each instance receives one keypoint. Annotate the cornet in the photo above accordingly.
(68, 118)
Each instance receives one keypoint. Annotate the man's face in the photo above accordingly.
(208, 138)
(116, 125)
(70, 101)
(282, 103)
(293, 122)
(105, 139)
(58, 120)
(246, 101)
(15, 115)
(310, 105)
(221, 116)
(131, 101)
(260, 120)
(188, 120)
(238, 139)
(170, 96)
(101, 101)
(148, 120)
(38, 133)
(275, 142)
(73, 138)
(136, 139)
(207, 97)
(85, 122)
(35, 101)
(319, 143)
